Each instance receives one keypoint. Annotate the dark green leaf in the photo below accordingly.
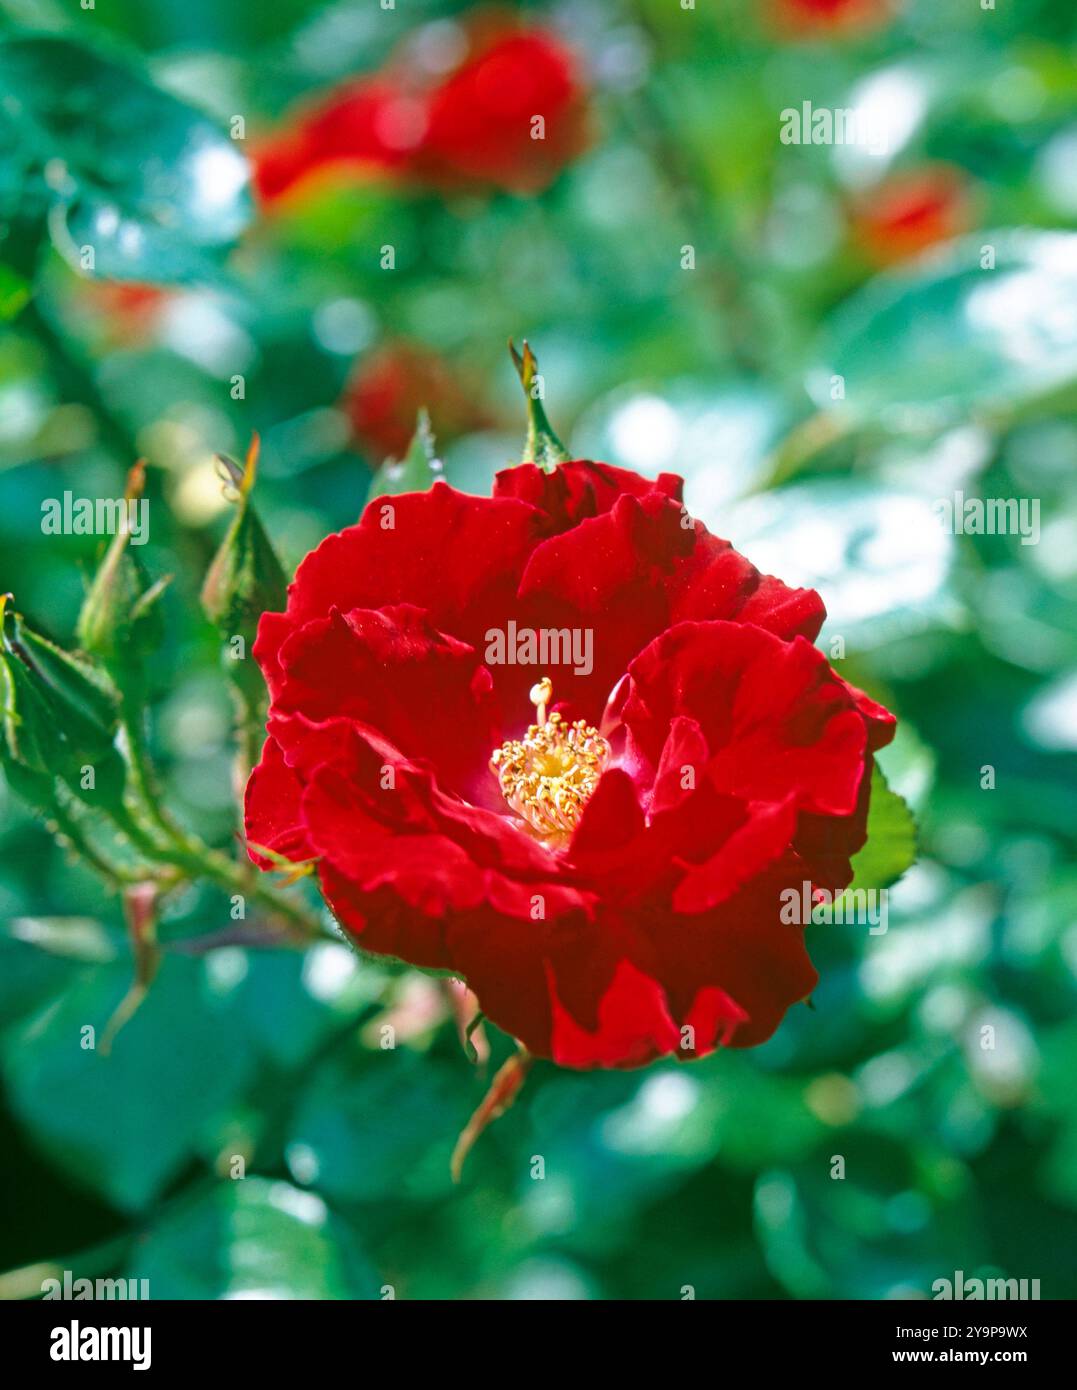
(151, 186)
(179, 1056)
(252, 1238)
(948, 335)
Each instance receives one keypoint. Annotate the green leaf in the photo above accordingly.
(252, 1238)
(119, 166)
(891, 844)
(418, 470)
(374, 1124)
(946, 335)
(125, 1125)
(29, 976)
(289, 1003)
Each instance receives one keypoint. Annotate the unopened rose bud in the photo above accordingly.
(120, 621)
(245, 578)
(59, 718)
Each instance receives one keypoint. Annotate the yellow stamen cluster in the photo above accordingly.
(548, 776)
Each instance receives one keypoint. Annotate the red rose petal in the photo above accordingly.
(455, 556)
(775, 717)
(579, 489)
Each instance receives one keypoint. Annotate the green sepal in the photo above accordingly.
(542, 445)
(418, 470)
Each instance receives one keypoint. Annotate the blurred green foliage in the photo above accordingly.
(716, 1175)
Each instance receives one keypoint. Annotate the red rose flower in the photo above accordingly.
(387, 390)
(910, 212)
(509, 114)
(607, 877)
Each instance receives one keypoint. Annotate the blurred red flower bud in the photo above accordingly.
(911, 211)
(347, 131)
(389, 387)
(816, 16)
(512, 116)
(129, 312)
(509, 113)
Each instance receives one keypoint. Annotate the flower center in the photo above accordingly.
(548, 776)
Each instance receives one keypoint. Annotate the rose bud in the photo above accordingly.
(598, 845)
(59, 718)
(244, 578)
(388, 389)
(120, 622)
(911, 211)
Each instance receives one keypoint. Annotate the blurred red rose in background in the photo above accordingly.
(389, 386)
(499, 106)
(911, 211)
(815, 16)
(127, 311)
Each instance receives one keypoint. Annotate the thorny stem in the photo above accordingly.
(66, 827)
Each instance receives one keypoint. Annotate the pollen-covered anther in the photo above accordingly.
(548, 776)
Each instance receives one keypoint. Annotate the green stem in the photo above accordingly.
(144, 781)
(151, 829)
(157, 835)
(119, 874)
